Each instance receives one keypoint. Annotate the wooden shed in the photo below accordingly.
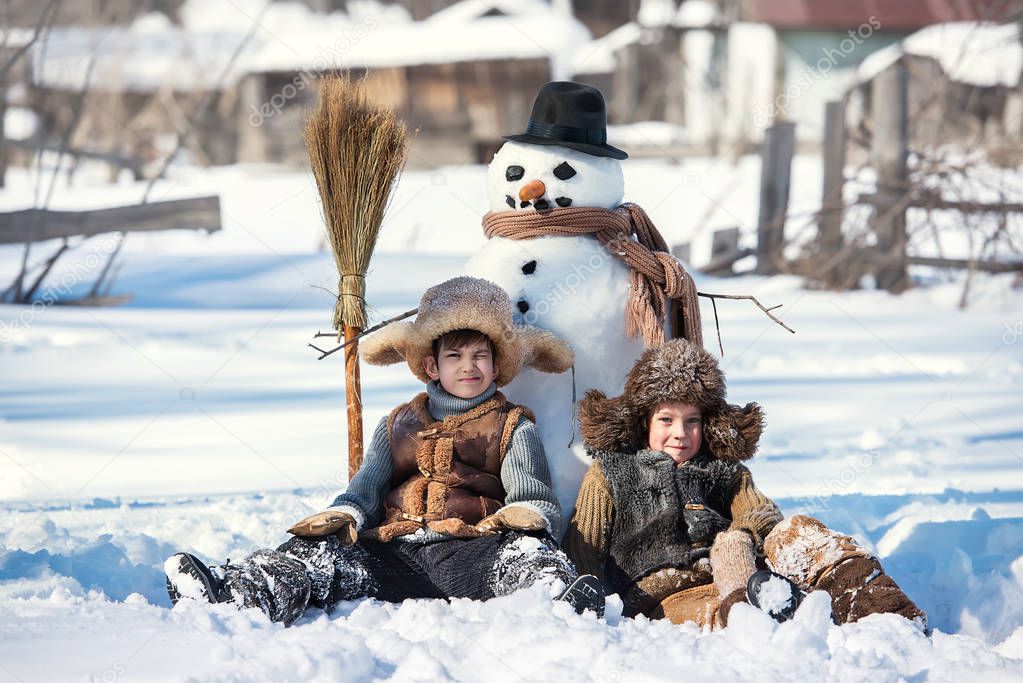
(460, 79)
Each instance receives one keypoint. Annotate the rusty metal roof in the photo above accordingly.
(892, 15)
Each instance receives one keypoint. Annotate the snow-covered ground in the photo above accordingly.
(195, 418)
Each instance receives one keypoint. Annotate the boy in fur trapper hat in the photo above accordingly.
(669, 517)
(454, 495)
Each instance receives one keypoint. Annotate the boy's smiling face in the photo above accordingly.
(677, 429)
(465, 372)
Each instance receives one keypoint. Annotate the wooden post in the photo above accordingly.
(253, 129)
(888, 153)
(829, 230)
(625, 88)
(3, 133)
(682, 252)
(353, 401)
(775, 176)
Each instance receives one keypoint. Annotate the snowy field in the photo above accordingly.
(195, 418)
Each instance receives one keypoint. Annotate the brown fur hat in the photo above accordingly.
(472, 304)
(674, 371)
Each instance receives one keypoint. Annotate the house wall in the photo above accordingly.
(819, 66)
(137, 130)
(459, 111)
(945, 113)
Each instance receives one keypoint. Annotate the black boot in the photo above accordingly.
(188, 577)
(585, 593)
(774, 594)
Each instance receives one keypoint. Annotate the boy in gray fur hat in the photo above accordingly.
(669, 517)
(454, 495)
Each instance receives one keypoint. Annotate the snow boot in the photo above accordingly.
(859, 587)
(585, 593)
(767, 591)
(188, 577)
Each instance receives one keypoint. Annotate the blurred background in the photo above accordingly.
(850, 114)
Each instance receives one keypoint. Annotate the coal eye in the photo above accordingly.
(564, 171)
(515, 173)
(529, 268)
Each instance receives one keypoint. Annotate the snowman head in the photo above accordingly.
(528, 177)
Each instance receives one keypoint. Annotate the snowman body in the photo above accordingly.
(571, 286)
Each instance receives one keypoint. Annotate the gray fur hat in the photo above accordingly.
(675, 371)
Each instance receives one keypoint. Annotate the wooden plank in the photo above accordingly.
(932, 202)
(775, 178)
(829, 230)
(986, 266)
(36, 225)
(936, 203)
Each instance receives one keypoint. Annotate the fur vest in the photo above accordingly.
(665, 515)
(446, 474)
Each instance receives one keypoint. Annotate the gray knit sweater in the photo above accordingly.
(524, 472)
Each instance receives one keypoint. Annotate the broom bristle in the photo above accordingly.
(356, 151)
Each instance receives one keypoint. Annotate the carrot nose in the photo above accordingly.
(532, 190)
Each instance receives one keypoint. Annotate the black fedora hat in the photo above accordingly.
(571, 115)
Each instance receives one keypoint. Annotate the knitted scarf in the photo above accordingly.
(657, 278)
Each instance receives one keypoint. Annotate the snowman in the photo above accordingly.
(576, 261)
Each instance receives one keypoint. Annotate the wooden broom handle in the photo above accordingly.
(353, 399)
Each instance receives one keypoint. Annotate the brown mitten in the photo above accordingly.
(326, 523)
(513, 518)
(732, 561)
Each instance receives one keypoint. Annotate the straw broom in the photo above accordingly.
(357, 151)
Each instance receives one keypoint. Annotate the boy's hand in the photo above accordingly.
(513, 518)
(326, 523)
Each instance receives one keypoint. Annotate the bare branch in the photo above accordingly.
(46, 270)
(376, 327)
(767, 311)
(717, 325)
(326, 289)
(40, 25)
(325, 353)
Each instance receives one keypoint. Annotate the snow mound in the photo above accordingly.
(525, 636)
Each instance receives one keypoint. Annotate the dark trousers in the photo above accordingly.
(321, 571)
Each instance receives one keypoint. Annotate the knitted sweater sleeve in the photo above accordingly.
(752, 511)
(588, 539)
(364, 497)
(526, 476)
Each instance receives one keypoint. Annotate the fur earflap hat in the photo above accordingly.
(674, 371)
(472, 304)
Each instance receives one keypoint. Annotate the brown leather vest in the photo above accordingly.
(446, 475)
